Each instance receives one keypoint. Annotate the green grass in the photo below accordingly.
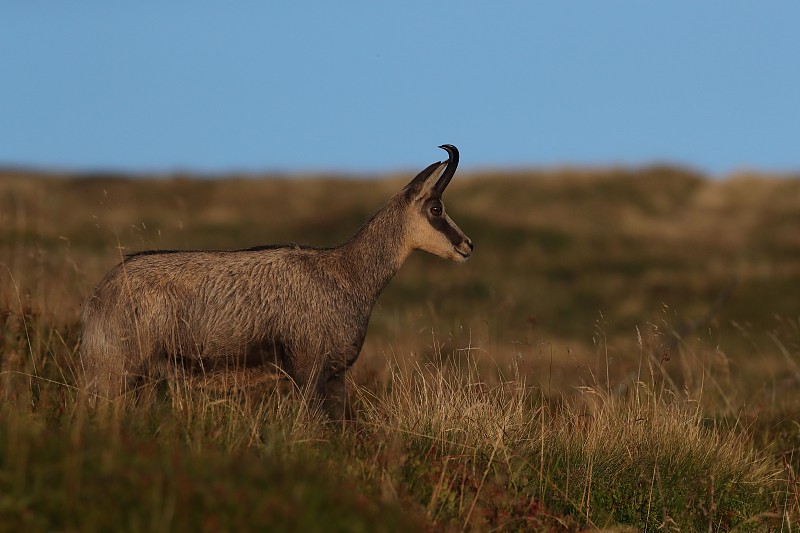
(623, 350)
(437, 447)
(148, 471)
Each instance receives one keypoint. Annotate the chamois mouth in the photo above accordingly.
(465, 255)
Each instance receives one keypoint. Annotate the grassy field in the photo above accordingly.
(622, 352)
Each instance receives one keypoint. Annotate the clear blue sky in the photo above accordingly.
(376, 86)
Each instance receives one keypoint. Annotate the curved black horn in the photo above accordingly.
(452, 164)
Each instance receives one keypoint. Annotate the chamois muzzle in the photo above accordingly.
(465, 249)
(452, 164)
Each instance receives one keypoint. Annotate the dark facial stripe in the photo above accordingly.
(440, 224)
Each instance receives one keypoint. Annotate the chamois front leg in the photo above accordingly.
(324, 384)
(332, 393)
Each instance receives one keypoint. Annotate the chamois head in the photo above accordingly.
(429, 227)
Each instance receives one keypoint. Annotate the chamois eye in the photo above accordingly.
(436, 210)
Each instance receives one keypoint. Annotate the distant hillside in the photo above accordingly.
(555, 250)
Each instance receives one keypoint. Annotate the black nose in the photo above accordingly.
(471, 247)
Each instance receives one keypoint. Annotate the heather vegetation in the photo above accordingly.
(622, 351)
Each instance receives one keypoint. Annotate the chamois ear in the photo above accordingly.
(424, 181)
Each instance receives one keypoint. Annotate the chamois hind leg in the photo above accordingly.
(107, 373)
(105, 378)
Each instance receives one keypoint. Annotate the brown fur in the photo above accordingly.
(303, 309)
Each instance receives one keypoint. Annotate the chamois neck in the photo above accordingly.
(377, 251)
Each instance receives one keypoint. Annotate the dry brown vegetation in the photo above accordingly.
(623, 348)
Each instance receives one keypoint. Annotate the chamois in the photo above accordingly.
(300, 308)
